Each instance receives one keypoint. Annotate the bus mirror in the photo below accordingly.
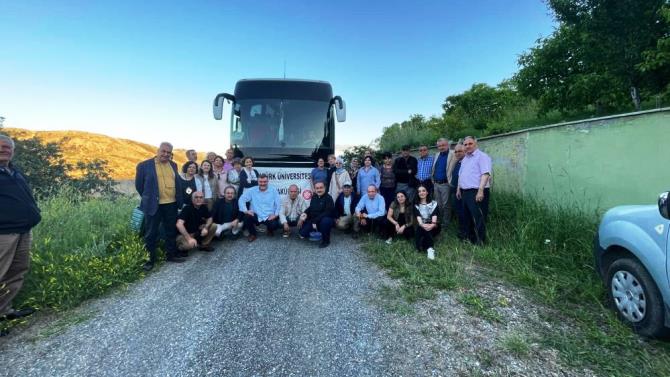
(218, 104)
(340, 109)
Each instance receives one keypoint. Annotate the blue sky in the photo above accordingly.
(149, 70)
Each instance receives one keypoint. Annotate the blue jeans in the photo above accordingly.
(324, 226)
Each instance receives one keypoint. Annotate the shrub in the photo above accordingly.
(82, 247)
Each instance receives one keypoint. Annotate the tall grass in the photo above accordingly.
(548, 251)
(82, 247)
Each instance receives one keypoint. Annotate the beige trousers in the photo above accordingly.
(14, 264)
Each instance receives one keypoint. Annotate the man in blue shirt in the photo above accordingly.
(370, 212)
(441, 188)
(424, 169)
(264, 208)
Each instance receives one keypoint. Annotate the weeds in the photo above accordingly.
(82, 247)
(515, 344)
(548, 251)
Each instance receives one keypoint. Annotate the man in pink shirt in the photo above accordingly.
(473, 188)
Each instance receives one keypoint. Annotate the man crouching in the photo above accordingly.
(195, 225)
(319, 215)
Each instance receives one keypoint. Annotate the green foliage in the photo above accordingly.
(82, 247)
(546, 250)
(481, 109)
(591, 61)
(357, 151)
(414, 132)
(48, 172)
(43, 164)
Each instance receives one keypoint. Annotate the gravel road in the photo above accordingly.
(273, 307)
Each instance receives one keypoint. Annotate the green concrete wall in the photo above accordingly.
(596, 164)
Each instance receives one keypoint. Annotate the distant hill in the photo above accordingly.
(122, 155)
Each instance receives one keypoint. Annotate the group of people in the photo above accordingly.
(409, 197)
(225, 196)
(403, 198)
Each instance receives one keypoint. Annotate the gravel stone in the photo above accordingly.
(274, 307)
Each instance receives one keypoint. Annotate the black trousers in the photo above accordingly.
(423, 239)
(376, 225)
(250, 223)
(459, 210)
(476, 214)
(408, 233)
(167, 216)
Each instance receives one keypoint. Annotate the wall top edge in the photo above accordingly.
(589, 120)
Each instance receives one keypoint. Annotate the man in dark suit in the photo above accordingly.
(158, 184)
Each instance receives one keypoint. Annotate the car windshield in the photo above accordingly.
(280, 123)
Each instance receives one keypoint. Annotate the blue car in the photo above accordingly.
(631, 257)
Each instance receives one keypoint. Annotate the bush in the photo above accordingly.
(82, 247)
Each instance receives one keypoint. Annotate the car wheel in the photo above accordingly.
(635, 297)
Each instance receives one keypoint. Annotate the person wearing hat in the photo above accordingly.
(319, 215)
(345, 207)
(339, 179)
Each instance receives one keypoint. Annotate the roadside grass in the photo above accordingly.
(516, 344)
(547, 250)
(81, 249)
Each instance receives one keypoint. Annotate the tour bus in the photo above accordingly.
(285, 125)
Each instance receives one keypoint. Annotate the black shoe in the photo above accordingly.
(175, 259)
(323, 244)
(148, 266)
(4, 332)
(182, 254)
(20, 313)
(206, 248)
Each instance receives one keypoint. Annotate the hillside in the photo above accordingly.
(122, 154)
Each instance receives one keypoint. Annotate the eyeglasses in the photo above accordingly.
(458, 151)
(198, 197)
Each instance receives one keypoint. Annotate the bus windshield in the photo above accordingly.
(301, 126)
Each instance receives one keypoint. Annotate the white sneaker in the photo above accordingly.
(219, 229)
(431, 253)
(389, 241)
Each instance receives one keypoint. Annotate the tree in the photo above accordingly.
(592, 59)
(656, 61)
(357, 151)
(477, 109)
(43, 164)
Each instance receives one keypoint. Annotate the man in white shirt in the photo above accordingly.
(292, 207)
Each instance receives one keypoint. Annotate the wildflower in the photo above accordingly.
(547, 241)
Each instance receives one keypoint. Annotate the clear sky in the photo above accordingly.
(149, 70)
